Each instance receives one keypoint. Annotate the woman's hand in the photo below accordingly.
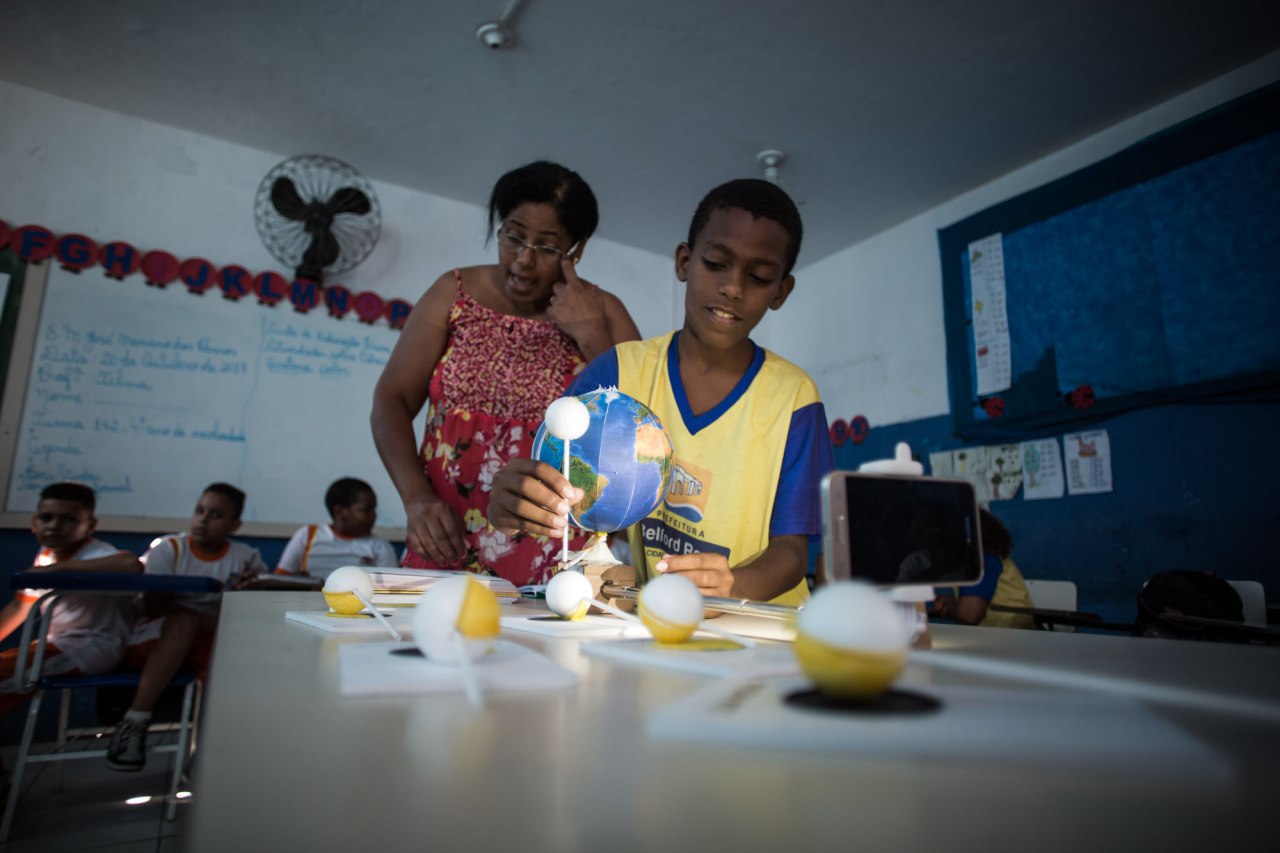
(434, 532)
(577, 307)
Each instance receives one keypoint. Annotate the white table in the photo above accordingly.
(286, 763)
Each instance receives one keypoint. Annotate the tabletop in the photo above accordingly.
(285, 761)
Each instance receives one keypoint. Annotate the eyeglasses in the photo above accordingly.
(543, 252)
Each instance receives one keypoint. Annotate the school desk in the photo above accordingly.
(285, 762)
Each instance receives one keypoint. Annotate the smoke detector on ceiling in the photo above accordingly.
(498, 34)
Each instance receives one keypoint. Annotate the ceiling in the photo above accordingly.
(883, 109)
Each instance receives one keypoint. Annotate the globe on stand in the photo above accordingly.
(622, 463)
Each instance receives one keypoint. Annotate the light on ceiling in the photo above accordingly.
(769, 159)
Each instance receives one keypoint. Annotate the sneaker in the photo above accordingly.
(128, 749)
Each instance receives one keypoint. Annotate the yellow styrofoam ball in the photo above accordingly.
(460, 605)
(670, 606)
(569, 594)
(850, 641)
(340, 588)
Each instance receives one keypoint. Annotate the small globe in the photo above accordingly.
(622, 463)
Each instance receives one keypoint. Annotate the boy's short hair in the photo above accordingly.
(543, 182)
(345, 492)
(70, 490)
(230, 492)
(760, 199)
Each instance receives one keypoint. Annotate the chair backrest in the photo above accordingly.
(1253, 599)
(1052, 595)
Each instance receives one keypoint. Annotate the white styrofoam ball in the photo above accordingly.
(567, 418)
(342, 583)
(569, 594)
(850, 640)
(671, 607)
(456, 606)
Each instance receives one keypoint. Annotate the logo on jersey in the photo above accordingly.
(687, 497)
(660, 538)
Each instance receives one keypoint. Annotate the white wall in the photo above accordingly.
(867, 322)
(76, 168)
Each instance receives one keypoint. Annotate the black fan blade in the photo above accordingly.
(285, 198)
(322, 251)
(349, 200)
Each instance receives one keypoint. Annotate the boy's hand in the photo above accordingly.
(709, 571)
(576, 307)
(435, 532)
(531, 497)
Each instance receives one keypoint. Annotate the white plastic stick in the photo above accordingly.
(609, 608)
(564, 544)
(377, 614)
(469, 682)
(727, 635)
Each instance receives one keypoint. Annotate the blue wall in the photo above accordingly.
(1195, 488)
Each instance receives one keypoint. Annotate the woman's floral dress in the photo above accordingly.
(486, 399)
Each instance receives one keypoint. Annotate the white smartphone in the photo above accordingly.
(895, 530)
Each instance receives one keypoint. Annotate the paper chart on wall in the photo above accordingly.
(994, 471)
(1042, 469)
(1088, 456)
(990, 321)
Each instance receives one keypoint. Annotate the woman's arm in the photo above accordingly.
(432, 529)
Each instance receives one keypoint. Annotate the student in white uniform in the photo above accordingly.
(188, 624)
(348, 540)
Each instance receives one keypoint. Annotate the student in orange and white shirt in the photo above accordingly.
(318, 549)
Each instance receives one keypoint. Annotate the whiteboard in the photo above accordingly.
(149, 394)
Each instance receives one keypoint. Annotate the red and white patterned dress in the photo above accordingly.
(486, 399)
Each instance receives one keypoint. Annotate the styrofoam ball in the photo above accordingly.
(340, 586)
(460, 605)
(567, 418)
(850, 641)
(670, 606)
(569, 594)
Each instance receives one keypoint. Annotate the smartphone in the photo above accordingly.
(895, 530)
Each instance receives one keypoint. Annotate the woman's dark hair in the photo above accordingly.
(760, 199)
(544, 182)
(995, 536)
(231, 493)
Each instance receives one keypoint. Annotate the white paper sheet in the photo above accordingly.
(766, 659)
(398, 669)
(1091, 732)
(359, 623)
(589, 627)
(1042, 469)
(990, 320)
(1088, 457)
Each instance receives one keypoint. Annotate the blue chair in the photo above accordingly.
(36, 627)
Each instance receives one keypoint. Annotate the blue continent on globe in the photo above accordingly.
(622, 463)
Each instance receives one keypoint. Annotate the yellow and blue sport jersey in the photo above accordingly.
(745, 471)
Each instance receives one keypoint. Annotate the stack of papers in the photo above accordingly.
(397, 586)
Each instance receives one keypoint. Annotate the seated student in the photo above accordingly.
(748, 428)
(87, 632)
(317, 550)
(1001, 584)
(188, 621)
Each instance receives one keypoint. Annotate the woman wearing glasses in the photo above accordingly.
(487, 348)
